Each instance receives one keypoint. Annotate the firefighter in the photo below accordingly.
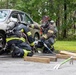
(49, 31)
(27, 31)
(16, 40)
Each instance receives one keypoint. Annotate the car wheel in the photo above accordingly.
(2, 41)
(36, 37)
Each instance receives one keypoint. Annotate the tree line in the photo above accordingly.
(63, 12)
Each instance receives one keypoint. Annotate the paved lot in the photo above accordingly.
(17, 66)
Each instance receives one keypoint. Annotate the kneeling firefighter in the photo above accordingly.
(16, 41)
(49, 31)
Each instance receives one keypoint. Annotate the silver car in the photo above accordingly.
(6, 14)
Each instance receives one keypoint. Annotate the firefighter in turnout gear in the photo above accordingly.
(20, 41)
(49, 31)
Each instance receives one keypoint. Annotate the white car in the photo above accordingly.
(6, 14)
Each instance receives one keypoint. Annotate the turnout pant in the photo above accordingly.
(19, 48)
(49, 42)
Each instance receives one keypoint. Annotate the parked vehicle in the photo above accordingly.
(6, 14)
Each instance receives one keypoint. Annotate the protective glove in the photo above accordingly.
(39, 41)
(36, 42)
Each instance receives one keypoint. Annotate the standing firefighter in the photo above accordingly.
(16, 41)
(49, 31)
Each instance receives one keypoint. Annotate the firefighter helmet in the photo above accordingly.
(45, 19)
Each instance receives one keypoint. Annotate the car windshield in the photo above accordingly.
(3, 15)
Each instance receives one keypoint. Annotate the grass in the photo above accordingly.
(65, 45)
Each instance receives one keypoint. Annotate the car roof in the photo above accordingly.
(12, 10)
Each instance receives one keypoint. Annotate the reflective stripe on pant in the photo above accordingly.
(26, 52)
(18, 50)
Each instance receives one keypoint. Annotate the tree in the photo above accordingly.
(61, 11)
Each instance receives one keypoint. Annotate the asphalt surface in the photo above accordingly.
(17, 66)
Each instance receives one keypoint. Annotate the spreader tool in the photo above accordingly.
(63, 62)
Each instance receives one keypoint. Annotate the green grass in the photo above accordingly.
(65, 45)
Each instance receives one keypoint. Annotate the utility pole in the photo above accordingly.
(65, 18)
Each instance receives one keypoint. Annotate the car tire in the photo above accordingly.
(36, 37)
(2, 41)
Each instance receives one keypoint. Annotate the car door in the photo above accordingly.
(15, 14)
(27, 20)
